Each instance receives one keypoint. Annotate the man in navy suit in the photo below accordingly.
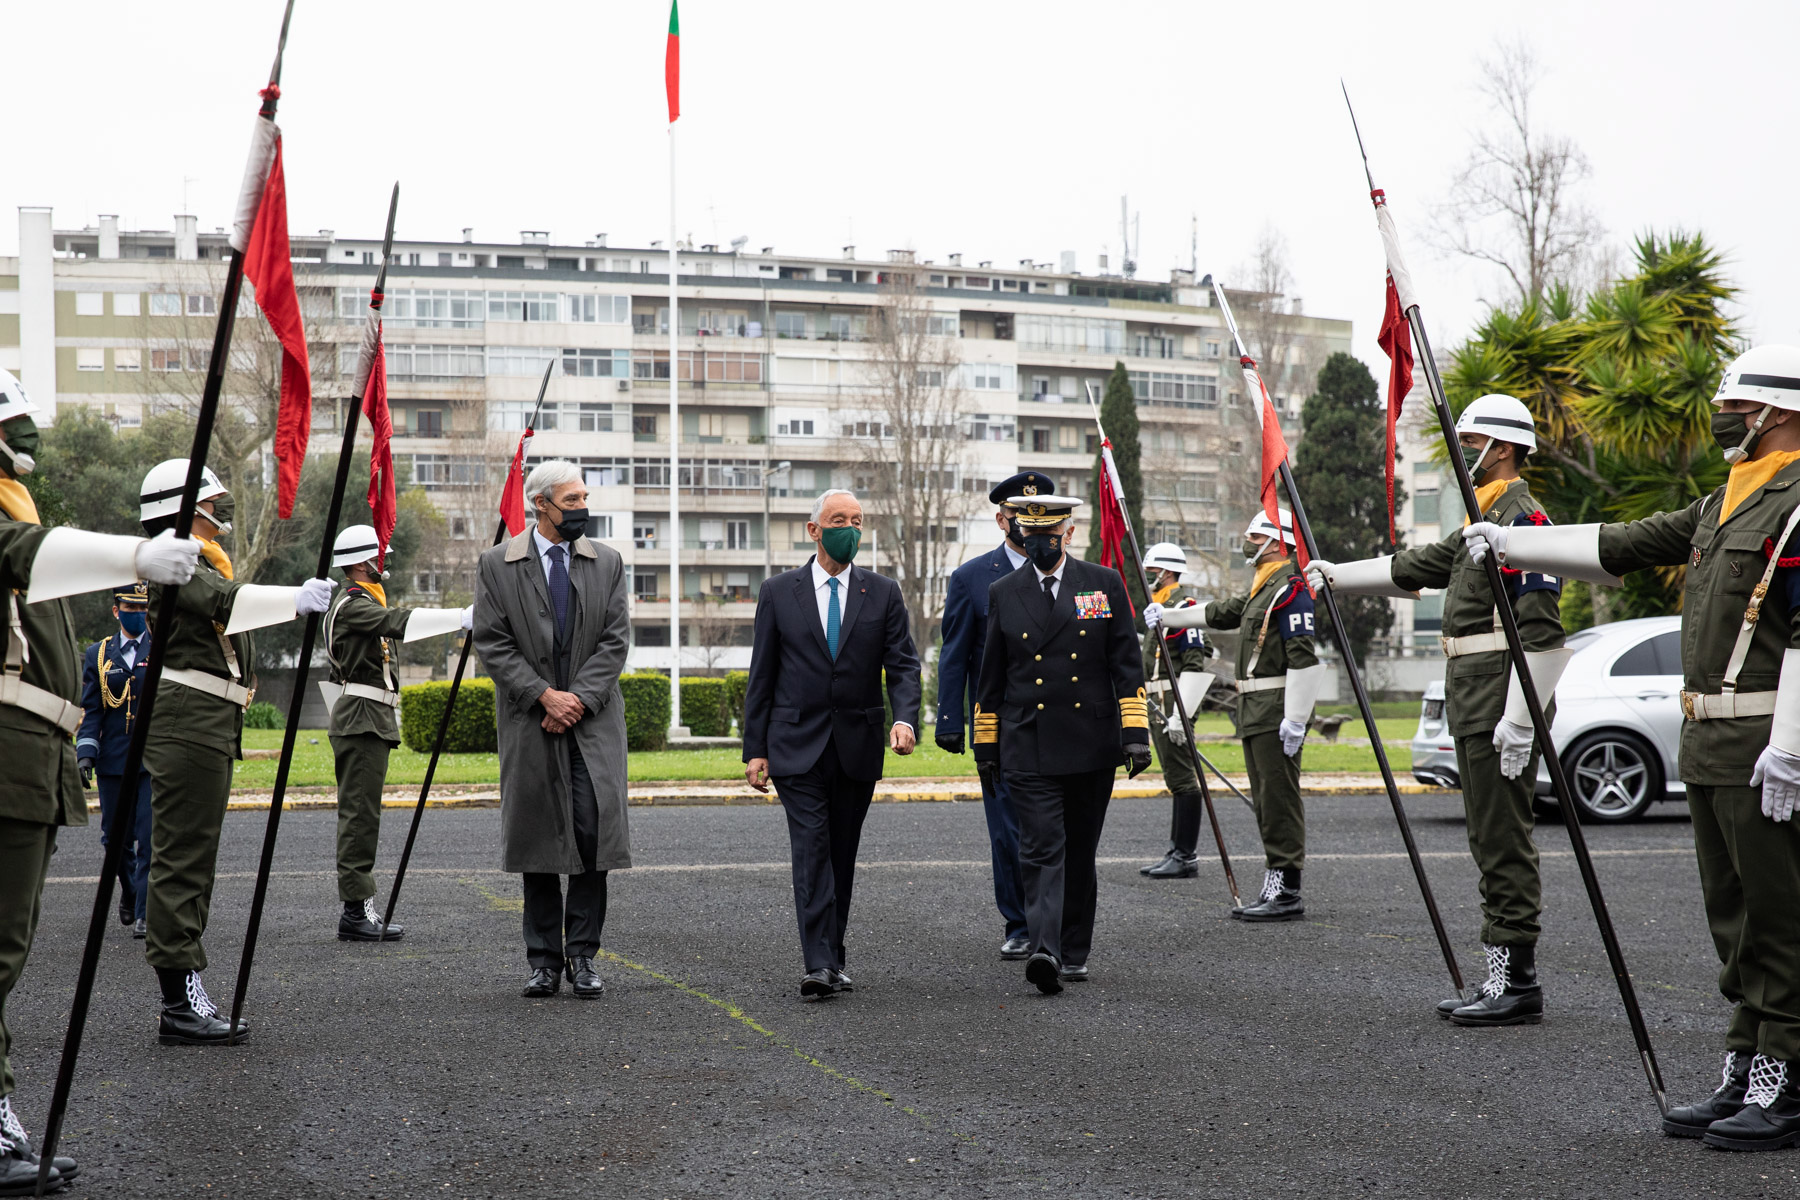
(112, 683)
(813, 718)
(959, 669)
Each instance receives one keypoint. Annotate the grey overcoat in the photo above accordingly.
(514, 633)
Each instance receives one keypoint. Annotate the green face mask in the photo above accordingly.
(1729, 429)
(1253, 550)
(21, 446)
(1472, 457)
(840, 542)
(223, 508)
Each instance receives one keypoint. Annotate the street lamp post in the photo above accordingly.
(768, 543)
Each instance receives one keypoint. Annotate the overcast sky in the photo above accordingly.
(999, 129)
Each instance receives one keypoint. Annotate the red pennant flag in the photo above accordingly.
(1274, 450)
(1395, 338)
(371, 385)
(512, 496)
(1113, 522)
(672, 63)
(270, 270)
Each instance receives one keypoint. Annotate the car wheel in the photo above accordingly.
(1616, 776)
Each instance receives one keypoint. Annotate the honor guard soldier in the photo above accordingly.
(1059, 707)
(112, 684)
(1188, 651)
(1278, 680)
(959, 670)
(1496, 757)
(196, 733)
(39, 686)
(1740, 742)
(363, 698)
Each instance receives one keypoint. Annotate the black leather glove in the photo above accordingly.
(87, 771)
(989, 772)
(1137, 757)
(950, 743)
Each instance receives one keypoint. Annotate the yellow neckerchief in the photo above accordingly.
(17, 502)
(1746, 477)
(1161, 595)
(375, 590)
(215, 554)
(1488, 495)
(1265, 570)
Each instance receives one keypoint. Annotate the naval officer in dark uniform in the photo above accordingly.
(112, 684)
(1060, 705)
(959, 668)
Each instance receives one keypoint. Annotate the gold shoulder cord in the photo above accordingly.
(106, 694)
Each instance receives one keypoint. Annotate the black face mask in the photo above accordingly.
(574, 522)
(1044, 550)
(20, 450)
(1014, 534)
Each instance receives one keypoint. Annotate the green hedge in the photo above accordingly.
(736, 684)
(646, 697)
(263, 716)
(472, 726)
(703, 707)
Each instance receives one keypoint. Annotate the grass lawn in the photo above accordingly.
(313, 763)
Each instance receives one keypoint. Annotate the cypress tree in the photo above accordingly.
(1118, 413)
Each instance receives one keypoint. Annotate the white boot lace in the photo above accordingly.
(1499, 958)
(11, 1131)
(1725, 1075)
(198, 998)
(1767, 1077)
(369, 913)
(1272, 885)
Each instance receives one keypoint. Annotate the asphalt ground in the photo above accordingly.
(1206, 1057)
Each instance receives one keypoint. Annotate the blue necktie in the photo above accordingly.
(559, 587)
(833, 620)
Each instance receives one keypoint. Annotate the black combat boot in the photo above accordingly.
(1181, 862)
(1511, 995)
(19, 1162)
(1175, 865)
(189, 1018)
(359, 922)
(1770, 1116)
(1280, 900)
(1691, 1120)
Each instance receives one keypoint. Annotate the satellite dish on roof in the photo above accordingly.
(738, 243)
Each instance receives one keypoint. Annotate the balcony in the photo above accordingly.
(750, 543)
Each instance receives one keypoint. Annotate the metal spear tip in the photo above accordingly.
(281, 46)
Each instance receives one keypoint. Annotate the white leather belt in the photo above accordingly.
(1474, 643)
(212, 685)
(38, 702)
(369, 691)
(1157, 687)
(1271, 683)
(1699, 706)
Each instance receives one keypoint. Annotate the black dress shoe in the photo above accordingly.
(1015, 948)
(1073, 973)
(1042, 971)
(189, 1017)
(816, 985)
(1175, 865)
(543, 982)
(1691, 1120)
(1511, 995)
(1770, 1117)
(127, 904)
(359, 922)
(842, 982)
(584, 981)
(1280, 900)
(139, 930)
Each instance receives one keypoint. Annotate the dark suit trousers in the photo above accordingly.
(1003, 843)
(556, 929)
(134, 857)
(1060, 818)
(825, 810)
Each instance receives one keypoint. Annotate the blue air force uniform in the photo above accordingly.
(112, 684)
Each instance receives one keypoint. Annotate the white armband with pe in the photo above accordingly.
(1368, 577)
(255, 605)
(1302, 692)
(1785, 736)
(72, 561)
(429, 622)
(1193, 686)
(1569, 551)
(1187, 616)
(1547, 667)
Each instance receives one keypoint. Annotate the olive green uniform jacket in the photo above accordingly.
(1277, 624)
(43, 784)
(361, 647)
(196, 642)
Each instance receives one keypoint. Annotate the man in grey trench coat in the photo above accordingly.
(552, 629)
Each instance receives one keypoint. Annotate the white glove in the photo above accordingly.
(1778, 775)
(1477, 538)
(314, 597)
(1318, 573)
(1513, 744)
(166, 558)
(1293, 733)
(1173, 731)
(1152, 615)
(468, 617)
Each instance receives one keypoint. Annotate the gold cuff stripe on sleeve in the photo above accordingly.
(1134, 712)
(987, 727)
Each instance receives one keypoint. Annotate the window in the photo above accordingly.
(198, 357)
(790, 325)
(651, 635)
(1184, 391)
(621, 264)
(983, 428)
(459, 527)
(90, 359)
(423, 362)
(90, 304)
(990, 377)
(643, 536)
(737, 535)
(643, 584)
(846, 327)
(606, 472)
(703, 268)
(442, 470)
(419, 308)
(201, 306)
(649, 472)
(131, 359)
(165, 360)
(719, 322)
(643, 428)
(929, 378)
(596, 364)
(1145, 345)
(943, 325)
(520, 360)
(795, 428)
(428, 422)
(126, 304)
(165, 304)
(728, 367)
(597, 310)
(524, 306)
(712, 535)
(1075, 335)
(1040, 441)
(600, 525)
(1212, 349)
(1660, 655)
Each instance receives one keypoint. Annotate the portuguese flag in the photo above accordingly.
(672, 62)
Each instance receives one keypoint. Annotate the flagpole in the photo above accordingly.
(1110, 478)
(303, 665)
(676, 729)
(1303, 528)
(125, 811)
(462, 665)
(1515, 645)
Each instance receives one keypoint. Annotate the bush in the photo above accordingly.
(472, 725)
(646, 698)
(263, 716)
(736, 684)
(703, 707)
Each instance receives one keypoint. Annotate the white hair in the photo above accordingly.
(828, 493)
(546, 477)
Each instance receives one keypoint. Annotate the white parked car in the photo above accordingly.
(1618, 721)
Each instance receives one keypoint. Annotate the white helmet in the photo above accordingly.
(1501, 417)
(1260, 523)
(355, 546)
(1763, 375)
(1165, 556)
(160, 495)
(13, 400)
